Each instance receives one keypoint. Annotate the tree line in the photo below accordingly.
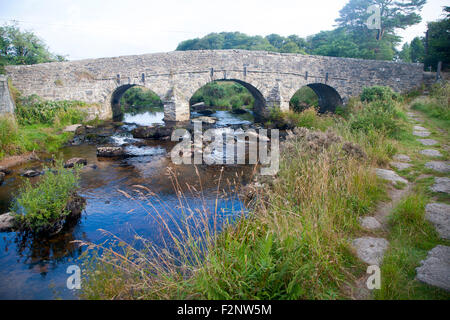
(351, 38)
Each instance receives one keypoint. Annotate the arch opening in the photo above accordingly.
(320, 95)
(231, 95)
(136, 104)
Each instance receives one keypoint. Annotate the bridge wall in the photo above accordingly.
(175, 76)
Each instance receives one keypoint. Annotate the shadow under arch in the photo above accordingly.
(329, 98)
(259, 105)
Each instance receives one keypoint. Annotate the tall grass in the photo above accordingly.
(411, 237)
(437, 105)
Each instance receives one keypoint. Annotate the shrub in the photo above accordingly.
(33, 110)
(41, 206)
(379, 93)
(382, 116)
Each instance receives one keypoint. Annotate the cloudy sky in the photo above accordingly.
(103, 28)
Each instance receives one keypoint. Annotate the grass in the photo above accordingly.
(37, 125)
(411, 237)
(39, 207)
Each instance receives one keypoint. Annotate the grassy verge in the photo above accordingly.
(37, 125)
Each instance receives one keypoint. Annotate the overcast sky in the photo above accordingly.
(93, 28)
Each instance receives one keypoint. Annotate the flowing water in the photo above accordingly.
(36, 269)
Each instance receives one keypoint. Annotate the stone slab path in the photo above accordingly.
(439, 215)
(435, 269)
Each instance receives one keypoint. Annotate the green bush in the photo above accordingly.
(382, 116)
(379, 93)
(33, 110)
(39, 207)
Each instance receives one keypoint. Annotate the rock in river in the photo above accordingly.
(31, 173)
(75, 161)
(156, 132)
(6, 222)
(110, 152)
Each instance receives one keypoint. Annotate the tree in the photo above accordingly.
(23, 47)
(405, 54)
(438, 44)
(417, 52)
(394, 15)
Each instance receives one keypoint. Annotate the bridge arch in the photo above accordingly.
(260, 102)
(329, 97)
(116, 95)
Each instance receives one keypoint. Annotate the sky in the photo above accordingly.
(105, 28)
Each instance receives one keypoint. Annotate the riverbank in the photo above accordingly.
(296, 243)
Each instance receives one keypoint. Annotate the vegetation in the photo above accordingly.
(437, 105)
(351, 39)
(304, 99)
(136, 99)
(42, 206)
(37, 124)
(23, 47)
(437, 43)
(226, 94)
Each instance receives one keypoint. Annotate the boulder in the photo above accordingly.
(75, 161)
(390, 176)
(110, 152)
(422, 134)
(439, 166)
(207, 120)
(6, 222)
(156, 132)
(72, 128)
(431, 153)
(31, 173)
(428, 142)
(5, 170)
(441, 185)
(206, 112)
(402, 158)
(439, 215)
(435, 269)
(370, 223)
(400, 165)
(370, 250)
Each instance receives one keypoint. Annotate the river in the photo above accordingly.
(36, 269)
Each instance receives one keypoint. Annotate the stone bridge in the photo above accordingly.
(272, 78)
